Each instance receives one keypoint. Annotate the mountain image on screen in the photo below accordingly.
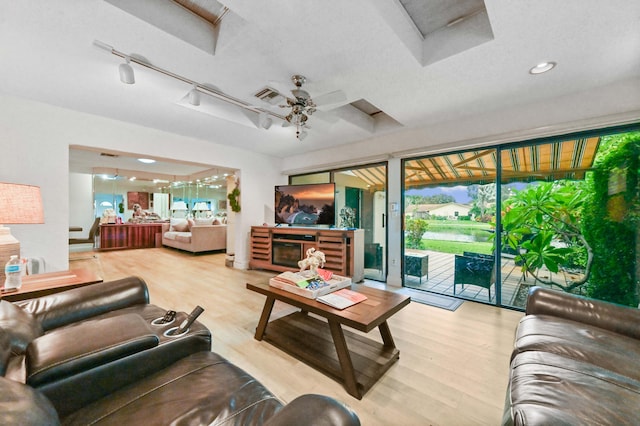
(312, 204)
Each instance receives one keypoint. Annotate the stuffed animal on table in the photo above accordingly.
(315, 259)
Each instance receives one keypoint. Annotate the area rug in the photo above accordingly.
(432, 299)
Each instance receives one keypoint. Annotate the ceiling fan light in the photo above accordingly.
(126, 72)
(194, 96)
(301, 135)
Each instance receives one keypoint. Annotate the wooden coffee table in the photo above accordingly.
(323, 344)
(51, 282)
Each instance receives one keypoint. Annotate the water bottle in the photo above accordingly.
(12, 273)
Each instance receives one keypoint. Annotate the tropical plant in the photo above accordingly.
(484, 200)
(541, 224)
(414, 230)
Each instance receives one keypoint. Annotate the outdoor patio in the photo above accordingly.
(440, 279)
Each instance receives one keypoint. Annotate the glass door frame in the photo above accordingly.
(329, 176)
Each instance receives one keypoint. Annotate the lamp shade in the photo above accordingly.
(179, 205)
(201, 206)
(20, 204)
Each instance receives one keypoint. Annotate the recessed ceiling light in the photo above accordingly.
(146, 160)
(542, 68)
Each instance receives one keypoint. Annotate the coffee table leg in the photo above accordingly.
(348, 373)
(385, 332)
(264, 318)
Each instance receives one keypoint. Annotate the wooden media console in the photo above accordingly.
(280, 249)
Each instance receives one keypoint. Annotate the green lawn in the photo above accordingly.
(456, 247)
(457, 225)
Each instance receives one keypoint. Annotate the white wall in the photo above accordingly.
(81, 209)
(35, 145)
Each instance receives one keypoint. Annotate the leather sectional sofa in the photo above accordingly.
(576, 361)
(97, 355)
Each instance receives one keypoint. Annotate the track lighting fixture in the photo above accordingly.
(126, 72)
(297, 117)
(264, 121)
(194, 96)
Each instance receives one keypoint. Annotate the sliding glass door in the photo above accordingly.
(487, 225)
(360, 203)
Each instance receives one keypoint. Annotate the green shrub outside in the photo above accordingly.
(610, 222)
(414, 230)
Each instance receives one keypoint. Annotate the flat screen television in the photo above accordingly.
(309, 204)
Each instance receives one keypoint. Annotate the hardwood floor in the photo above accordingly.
(453, 366)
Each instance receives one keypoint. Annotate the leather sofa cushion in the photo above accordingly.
(22, 405)
(202, 388)
(20, 326)
(579, 341)
(78, 304)
(549, 389)
(67, 351)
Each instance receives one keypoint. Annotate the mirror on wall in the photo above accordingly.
(118, 183)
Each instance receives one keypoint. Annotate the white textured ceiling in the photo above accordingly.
(47, 54)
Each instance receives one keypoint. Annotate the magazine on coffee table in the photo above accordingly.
(342, 299)
(304, 284)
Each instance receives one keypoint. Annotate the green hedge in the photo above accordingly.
(610, 221)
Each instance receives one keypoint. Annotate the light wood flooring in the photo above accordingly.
(453, 366)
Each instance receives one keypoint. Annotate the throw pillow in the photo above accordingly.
(179, 225)
(204, 221)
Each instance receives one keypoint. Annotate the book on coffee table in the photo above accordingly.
(342, 299)
(307, 285)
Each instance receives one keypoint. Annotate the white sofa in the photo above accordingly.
(195, 238)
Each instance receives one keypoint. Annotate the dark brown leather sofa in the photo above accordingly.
(93, 355)
(576, 361)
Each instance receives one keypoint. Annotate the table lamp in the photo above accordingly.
(201, 207)
(179, 206)
(19, 204)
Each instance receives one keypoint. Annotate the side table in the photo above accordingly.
(416, 265)
(49, 283)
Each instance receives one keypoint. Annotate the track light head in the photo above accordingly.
(264, 121)
(194, 96)
(126, 73)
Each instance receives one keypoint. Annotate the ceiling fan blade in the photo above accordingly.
(330, 98)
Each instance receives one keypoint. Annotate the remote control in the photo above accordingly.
(189, 320)
(168, 317)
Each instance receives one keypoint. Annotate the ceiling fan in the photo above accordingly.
(301, 106)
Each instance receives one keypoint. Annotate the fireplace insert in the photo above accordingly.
(286, 254)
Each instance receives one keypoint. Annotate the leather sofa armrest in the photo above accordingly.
(85, 346)
(314, 410)
(609, 316)
(59, 309)
(22, 405)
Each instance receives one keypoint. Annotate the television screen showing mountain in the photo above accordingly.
(311, 204)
